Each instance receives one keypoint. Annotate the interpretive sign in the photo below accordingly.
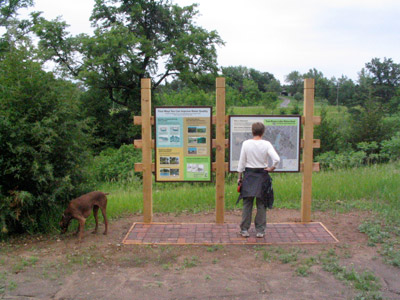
(282, 131)
(183, 143)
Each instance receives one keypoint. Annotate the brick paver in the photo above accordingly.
(205, 233)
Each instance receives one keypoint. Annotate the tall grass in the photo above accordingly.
(373, 188)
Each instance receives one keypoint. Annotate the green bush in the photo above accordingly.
(298, 96)
(391, 148)
(351, 159)
(43, 144)
(116, 164)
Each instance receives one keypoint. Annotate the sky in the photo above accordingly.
(337, 37)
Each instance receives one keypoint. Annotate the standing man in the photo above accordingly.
(256, 180)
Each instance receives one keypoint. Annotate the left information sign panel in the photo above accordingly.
(183, 143)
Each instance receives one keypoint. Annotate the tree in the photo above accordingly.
(133, 39)
(321, 83)
(43, 144)
(385, 78)
(295, 81)
(8, 9)
(15, 30)
(367, 123)
(235, 76)
(344, 91)
(266, 81)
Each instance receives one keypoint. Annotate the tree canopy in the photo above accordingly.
(132, 39)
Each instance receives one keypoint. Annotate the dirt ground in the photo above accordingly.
(55, 267)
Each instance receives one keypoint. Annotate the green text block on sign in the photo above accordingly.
(281, 122)
(197, 168)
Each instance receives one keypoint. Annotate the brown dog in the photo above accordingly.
(80, 208)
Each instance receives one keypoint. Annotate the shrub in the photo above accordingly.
(298, 96)
(116, 164)
(43, 145)
(391, 148)
(351, 159)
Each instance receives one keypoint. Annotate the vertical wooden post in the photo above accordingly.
(146, 151)
(220, 151)
(306, 192)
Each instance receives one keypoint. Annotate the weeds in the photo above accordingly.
(303, 270)
(375, 232)
(3, 279)
(391, 254)
(364, 281)
(214, 248)
(192, 262)
(23, 263)
(378, 233)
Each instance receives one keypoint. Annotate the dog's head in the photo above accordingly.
(64, 223)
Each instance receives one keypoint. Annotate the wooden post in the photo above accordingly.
(146, 151)
(308, 131)
(220, 151)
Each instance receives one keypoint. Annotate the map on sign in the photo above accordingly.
(282, 131)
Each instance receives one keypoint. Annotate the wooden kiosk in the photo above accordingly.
(146, 120)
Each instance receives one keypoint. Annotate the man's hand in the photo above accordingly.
(270, 169)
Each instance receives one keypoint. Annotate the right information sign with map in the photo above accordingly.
(282, 131)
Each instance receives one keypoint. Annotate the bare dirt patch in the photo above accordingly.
(55, 267)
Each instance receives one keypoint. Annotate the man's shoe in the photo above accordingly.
(244, 233)
(260, 234)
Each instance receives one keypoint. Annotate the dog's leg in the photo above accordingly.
(103, 211)
(95, 211)
(82, 221)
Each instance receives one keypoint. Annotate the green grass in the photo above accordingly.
(373, 188)
(23, 263)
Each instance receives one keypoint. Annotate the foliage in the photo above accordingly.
(43, 141)
(116, 164)
(8, 9)
(236, 77)
(112, 122)
(385, 78)
(270, 100)
(330, 132)
(349, 159)
(131, 40)
(298, 96)
(367, 125)
(295, 81)
(391, 148)
(185, 97)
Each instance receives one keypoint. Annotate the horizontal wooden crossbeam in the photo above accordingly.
(316, 120)
(316, 143)
(315, 167)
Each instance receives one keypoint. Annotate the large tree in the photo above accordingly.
(132, 39)
(295, 81)
(8, 9)
(385, 78)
